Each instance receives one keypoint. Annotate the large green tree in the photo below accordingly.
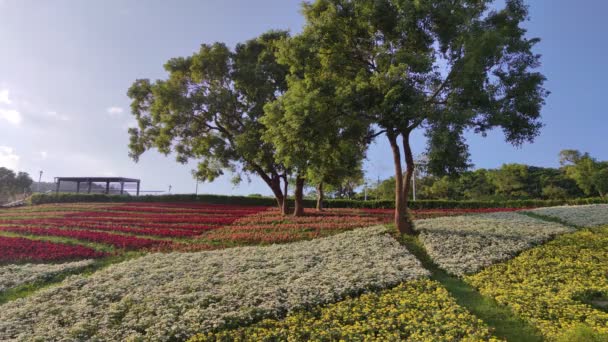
(209, 110)
(444, 66)
(306, 125)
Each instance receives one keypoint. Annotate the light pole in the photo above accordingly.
(169, 189)
(414, 184)
(39, 180)
(196, 193)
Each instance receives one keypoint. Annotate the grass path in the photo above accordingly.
(506, 324)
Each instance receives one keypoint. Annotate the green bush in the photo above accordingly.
(310, 203)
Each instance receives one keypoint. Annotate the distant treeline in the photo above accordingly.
(580, 175)
(13, 185)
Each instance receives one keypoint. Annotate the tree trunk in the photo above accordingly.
(320, 196)
(299, 197)
(400, 203)
(409, 171)
(275, 185)
(285, 204)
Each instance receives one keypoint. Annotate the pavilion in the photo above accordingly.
(90, 180)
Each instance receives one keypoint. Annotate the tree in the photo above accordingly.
(600, 181)
(444, 66)
(306, 126)
(12, 184)
(209, 109)
(511, 181)
(586, 171)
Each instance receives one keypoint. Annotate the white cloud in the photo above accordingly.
(115, 111)
(11, 115)
(8, 158)
(57, 116)
(44, 155)
(4, 98)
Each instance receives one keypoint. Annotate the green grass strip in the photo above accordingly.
(505, 324)
(25, 290)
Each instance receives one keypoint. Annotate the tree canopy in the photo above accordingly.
(442, 66)
(209, 109)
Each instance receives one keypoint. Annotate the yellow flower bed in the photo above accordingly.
(420, 310)
(546, 284)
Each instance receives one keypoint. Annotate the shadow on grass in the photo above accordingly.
(505, 324)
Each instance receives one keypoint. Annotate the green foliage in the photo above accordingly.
(554, 192)
(306, 125)
(600, 181)
(12, 184)
(443, 66)
(510, 180)
(589, 174)
(209, 109)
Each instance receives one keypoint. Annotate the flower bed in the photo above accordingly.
(545, 285)
(419, 310)
(165, 231)
(118, 241)
(272, 227)
(14, 249)
(16, 275)
(174, 296)
(466, 244)
(581, 215)
(387, 215)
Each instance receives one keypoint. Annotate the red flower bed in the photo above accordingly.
(157, 218)
(236, 211)
(59, 222)
(119, 241)
(14, 249)
(90, 222)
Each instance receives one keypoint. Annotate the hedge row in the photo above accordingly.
(330, 203)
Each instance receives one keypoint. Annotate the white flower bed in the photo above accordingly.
(579, 215)
(16, 275)
(173, 296)
(466, 244)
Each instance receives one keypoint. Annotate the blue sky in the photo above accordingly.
(65, 67)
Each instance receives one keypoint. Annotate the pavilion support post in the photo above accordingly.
(90, 183)
(122, 188)
(107, 188)
(137, 188)
(77, 187)
(57, 187)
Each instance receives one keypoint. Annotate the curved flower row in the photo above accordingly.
(15, 275)
(163, 297)
(466, 244)
(581, 215)
(165, 231)
(112, 217)
(419, 310)
(553, 285)
(15, 249)
(118, 241)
